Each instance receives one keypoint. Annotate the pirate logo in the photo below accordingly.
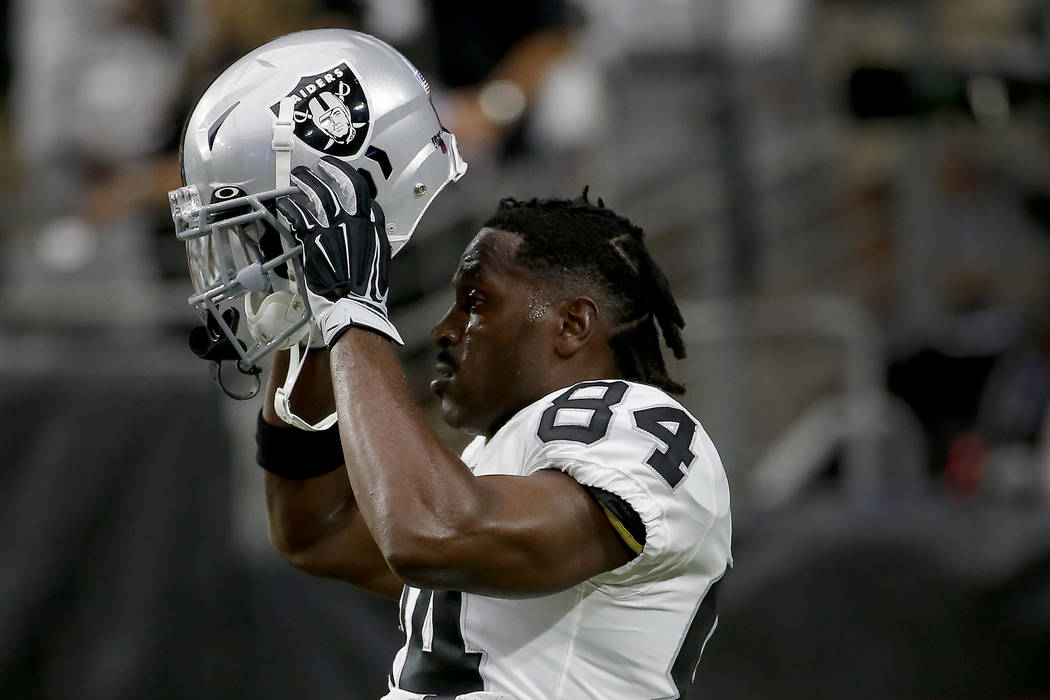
(331, 113)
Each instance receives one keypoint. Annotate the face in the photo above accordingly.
(496, 342)
(335, 122)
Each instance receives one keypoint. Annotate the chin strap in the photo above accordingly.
(283, 130)
(283, 395)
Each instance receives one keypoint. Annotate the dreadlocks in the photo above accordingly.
(578, 240)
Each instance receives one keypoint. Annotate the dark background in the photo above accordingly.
(851, 200)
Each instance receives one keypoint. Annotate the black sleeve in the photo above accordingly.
(297, 454)
(616, 507)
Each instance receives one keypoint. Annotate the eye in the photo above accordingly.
(472, 300)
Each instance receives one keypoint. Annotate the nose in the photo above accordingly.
(445, 332)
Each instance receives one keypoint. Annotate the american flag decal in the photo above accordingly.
(423, 81)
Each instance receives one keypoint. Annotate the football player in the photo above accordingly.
(575, 548)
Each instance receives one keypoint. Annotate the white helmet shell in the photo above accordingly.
(286, 104)
(393, 133)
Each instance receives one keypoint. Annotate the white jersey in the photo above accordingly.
(634, 632)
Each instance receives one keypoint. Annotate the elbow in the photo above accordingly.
(287, 550)
(299, 553)
(309, 565)
(412, 569)
(427, 559)
(421, 572)
(311, 543)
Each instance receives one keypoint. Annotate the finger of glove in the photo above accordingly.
(351, 184)
(379, 217)
(323, 202)
(323, 267)
(383, 244)
(295, 214)
(317, 262)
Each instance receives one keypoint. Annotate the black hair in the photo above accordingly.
(587, 244)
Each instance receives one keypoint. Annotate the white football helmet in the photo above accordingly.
(286, 104)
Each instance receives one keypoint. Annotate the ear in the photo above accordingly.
(577, 325)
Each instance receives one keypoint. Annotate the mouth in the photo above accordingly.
(443, 371)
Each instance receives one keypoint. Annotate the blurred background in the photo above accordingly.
(851, 199)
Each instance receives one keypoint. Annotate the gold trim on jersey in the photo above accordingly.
(626, 536)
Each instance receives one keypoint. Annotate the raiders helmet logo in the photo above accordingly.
(331, 113)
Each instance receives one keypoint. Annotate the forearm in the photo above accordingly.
(315, 523)
(415, 494)
(436, 524)
(302, 511)
(312, 397)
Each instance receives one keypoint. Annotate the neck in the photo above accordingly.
(582, 369)
(564, 377)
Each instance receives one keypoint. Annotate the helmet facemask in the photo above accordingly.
(235, 268)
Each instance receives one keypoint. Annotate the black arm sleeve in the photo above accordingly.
(617, 508)
(297, 454)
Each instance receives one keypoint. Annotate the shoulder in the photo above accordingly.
(610, 392)
(581, 418)
(640, 444)
(605, 430)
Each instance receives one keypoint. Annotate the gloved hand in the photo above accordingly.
(346, 252)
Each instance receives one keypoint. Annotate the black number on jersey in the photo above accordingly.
(673, 464)
(691, 648)
(600, 409)
(447, 669)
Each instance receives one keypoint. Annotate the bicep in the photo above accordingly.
(537, 534)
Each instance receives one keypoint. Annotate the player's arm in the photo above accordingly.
(437, 524)
(434, 523)
(315, 523)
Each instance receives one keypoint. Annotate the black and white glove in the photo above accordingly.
(346, 251)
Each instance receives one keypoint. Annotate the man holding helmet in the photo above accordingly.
(575, 548)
